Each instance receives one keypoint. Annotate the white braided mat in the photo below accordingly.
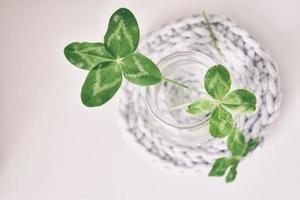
(245, 57)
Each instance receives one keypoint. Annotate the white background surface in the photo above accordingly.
(52, 147)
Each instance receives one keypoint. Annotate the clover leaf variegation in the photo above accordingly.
(223, 165)
(217, 84)
(240, 101)
(236, 142)
(123, 34)
(140, 70)
(101, 84)
(201, 107)
(108, 62)
(251, 145)
(217, 81)
(220, 122)
(220, 166)
(239, 150)
(87, 55)
(232, 171)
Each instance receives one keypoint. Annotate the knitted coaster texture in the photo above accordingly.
(247, 60)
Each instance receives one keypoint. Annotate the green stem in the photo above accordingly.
(176, 83)
(212, 34)
(180, 84)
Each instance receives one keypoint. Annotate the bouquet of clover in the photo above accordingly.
(116, 58)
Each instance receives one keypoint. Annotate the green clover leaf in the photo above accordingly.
(109, 62)
(236, 142)
(101, 84)
(240, 101)
(217, 81)
(220, 122)
(140, 70)
(251, 145)
(239, 150)
(237, 145)
(201, 107)
(123, 34)
(232, 171)
(220, 166)
(86, 55)
(217, 84)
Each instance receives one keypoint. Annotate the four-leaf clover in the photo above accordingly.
(222, 105)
